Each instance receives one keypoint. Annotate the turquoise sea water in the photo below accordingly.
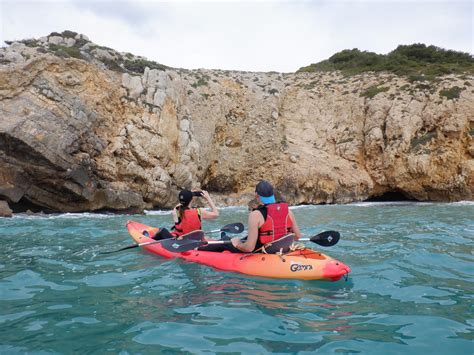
(410, 290)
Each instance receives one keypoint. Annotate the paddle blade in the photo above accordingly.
(233, 228)
(196, 235)
(326, 239)
(178, 246)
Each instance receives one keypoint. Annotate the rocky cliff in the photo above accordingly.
(84, 127)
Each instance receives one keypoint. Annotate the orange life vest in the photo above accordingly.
(277, 222)
(190, 222)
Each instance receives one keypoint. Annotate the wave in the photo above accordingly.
(237, 208)
(389, 203)
(410, 203)
(157, 212)
(67, 215)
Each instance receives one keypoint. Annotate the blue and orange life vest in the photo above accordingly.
(190, 222)
(277, 222)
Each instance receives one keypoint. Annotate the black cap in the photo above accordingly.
(185, 196)
(264, 189)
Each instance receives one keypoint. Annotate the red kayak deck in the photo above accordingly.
(304, 264)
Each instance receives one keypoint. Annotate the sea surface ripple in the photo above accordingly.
(410, 290)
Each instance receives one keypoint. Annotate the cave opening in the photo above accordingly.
(390, 196)
(25, 205)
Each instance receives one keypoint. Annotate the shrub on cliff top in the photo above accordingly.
(65, 52)
(69, 34)
(31, 42)
(416, 60)
(139, 65)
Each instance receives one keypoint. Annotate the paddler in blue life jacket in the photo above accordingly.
(187, 219)
(269, 222)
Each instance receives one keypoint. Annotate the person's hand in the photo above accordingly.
(206, 195)
(235, 241)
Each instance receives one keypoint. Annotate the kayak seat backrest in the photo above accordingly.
(280, 245)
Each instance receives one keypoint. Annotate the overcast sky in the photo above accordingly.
(245, 35)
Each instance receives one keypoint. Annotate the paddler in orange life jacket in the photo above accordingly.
(270, 221)
(187, 219)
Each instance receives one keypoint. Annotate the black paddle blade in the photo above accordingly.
(233, 228)
(326, 239)
(178, 246)
(196, 235)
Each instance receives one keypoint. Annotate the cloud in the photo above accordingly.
(245, 35)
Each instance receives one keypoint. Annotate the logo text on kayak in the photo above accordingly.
(294, 267)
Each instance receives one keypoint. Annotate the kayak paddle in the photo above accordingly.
(196, 235)
(325, 239)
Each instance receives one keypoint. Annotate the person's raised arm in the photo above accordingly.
(174, 214)
(214, 212)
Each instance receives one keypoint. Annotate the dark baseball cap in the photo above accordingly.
(185, 196)
(264, 189)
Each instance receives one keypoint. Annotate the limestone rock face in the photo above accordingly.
(5, 210)
(78, 136)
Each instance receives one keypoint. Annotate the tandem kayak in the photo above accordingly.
(304, 264)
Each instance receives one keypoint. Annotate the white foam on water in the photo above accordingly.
(461, 203)
(389, 203)
(65, 215)
(410, 203)
(157, 212)
(237, 208)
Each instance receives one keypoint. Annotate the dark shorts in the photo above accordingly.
(220, 248)
(162, 234)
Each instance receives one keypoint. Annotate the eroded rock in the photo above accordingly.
(75, 136)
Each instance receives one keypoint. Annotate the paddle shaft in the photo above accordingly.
(328, 238)
(230, 228)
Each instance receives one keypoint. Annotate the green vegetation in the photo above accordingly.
(416, 61)
(31, 42)
(139, 65)
(65, 52)
(95, 46)
(113, 65)
(68, 34)
(373, 90)
(200, 82)
(451, 93)
(310, 85)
